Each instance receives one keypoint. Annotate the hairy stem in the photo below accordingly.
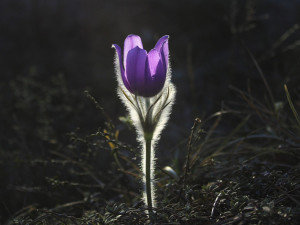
(148, 159)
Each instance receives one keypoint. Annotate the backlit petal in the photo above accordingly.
(162, 45)
(135, 69)
(165, 54)
(155, 74)
(131, 42)
(119, 55)
(161, 41)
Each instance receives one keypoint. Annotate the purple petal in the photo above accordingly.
(165, 54)
(162, 45)
(135, 69)
(161, 41)
(131, 42)
(154, 63)
(119, 54)
(155, 74)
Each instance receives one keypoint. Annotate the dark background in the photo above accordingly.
(207, 43)
(59, 41)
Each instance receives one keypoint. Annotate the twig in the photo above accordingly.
(102, 185)
(262, 76)
(214, 205)
(291, 104)
(187, 166)
(98, 106)
(66, 205)
(219, 115)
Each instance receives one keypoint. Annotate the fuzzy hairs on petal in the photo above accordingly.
(127, 98)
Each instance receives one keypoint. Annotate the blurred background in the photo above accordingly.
(208, 41)
(51, 51)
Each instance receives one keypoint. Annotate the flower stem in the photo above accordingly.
(148, 139)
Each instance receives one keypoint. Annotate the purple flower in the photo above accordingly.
(143, 73)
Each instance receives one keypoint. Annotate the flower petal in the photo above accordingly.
(135, 69)
(155, 74)
(131, 42)
(165, 54)
(119, 55)
(161, 41)
(162, 46)
(154, 63)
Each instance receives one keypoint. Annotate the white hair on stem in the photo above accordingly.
(144, 112)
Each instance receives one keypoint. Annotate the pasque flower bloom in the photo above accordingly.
(143, 74)
(146, 90)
